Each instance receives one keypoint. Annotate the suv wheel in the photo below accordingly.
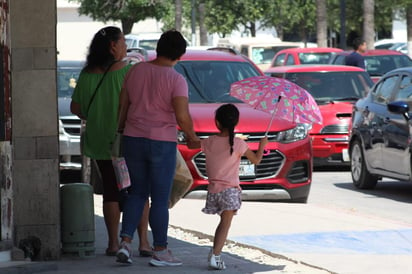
(360, 175)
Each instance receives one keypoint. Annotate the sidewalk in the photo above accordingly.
(190, 246)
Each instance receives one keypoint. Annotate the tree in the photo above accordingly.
(321, 23)
(368, 23)
(178, 15)
(126, 11)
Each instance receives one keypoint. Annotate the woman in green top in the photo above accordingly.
(105, 63)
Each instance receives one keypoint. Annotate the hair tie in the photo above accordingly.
(103, 32)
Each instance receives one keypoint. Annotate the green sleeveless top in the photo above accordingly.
(102, 116)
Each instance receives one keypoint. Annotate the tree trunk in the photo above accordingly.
(253, 29)
(368, 22)
(127, 25)
(202, 27)
(409, 27)
(178, 15)
(321, 23)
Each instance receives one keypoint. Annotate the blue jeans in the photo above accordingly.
(151, 167)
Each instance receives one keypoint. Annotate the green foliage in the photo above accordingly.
(120, 10)
(224, 16)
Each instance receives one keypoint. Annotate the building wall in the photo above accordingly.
(75, 32)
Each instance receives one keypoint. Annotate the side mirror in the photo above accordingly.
(399, 107)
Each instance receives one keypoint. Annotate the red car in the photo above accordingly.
(378, 61)
(335, 89)
(285, 173)
(300, 56)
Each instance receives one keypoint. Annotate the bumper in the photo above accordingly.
(330, 149)
(70, 156)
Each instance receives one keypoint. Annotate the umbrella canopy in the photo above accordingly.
(279, 97)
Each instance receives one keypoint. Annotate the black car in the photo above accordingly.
(380, 142)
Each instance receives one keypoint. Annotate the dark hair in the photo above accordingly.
(171, 45)
(99, 49)
(228, 116)
(357, 42)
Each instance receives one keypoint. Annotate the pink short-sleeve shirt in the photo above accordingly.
(221, 167)
(151, 89)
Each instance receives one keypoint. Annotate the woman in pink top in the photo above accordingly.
(153, 101)
(223, 152)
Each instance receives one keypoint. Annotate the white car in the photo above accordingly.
(147, 41)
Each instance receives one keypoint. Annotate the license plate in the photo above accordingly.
(246, 170)
(345, 155)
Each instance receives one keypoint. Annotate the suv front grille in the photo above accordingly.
(71, 126)
(268, 167)
(335, 129)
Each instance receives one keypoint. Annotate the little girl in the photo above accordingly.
(223, 153)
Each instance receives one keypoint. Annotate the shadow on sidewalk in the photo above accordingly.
(194, 259)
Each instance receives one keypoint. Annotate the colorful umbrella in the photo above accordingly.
(279, 97)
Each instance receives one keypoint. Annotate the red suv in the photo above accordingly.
(300, 56)
(335, 89)
(285, 172)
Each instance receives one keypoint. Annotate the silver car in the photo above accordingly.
(69, 124)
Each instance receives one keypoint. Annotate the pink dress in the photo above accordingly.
(223, 173)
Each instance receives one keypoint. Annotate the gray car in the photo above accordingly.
(69, 124)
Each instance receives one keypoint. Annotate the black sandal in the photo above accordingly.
(145, 253)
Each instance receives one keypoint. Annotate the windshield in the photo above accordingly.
(380, 64)
(264, 55)
(67, 79)
(209, 81)
(315, 58)
(333, 86)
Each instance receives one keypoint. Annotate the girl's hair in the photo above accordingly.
(228, 116)
(99, 49)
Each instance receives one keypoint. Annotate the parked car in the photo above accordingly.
(285, 172)
(259, 49)
(300, 56)
(335, 89)
(386, 43)
(69, 124)
(380, 142)
(147, 41)
(378, 62)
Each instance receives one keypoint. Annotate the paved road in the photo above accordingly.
(340, 229)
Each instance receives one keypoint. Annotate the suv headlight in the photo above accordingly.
(295, 134)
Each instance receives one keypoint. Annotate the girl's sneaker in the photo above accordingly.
(216, 262)
(124, 255)
(164, 258)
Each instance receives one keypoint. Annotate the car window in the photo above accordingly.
(315, 58)
(67, 79)
(339, 60)
(380, 64)
(290, 60)
(383, 91)
(333, 86)
(279, 60)
(209, 81)
(404, 92)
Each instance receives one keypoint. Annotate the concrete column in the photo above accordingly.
(35, 150)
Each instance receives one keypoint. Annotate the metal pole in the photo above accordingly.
(193, 22)
(342, 24)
